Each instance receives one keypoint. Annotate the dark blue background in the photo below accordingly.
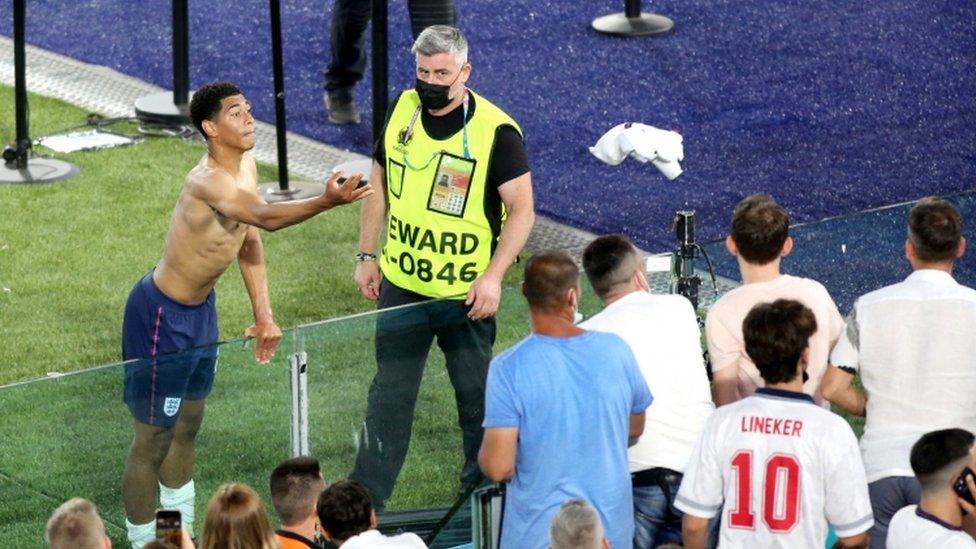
(832, 107)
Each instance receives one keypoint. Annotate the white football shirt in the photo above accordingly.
(912, 528)
(783, 467)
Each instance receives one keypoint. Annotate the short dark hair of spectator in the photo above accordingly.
(576, 526)
(938, 457)
(206, 102)
(548, 277)
(75, 525)
(295, 487)
(935, 229)
(609, 261)
(236, 517)
(776, 335)
(345, 509)
(760, 227)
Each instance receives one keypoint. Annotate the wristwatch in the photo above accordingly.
(363, 256)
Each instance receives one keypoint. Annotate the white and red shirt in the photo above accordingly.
(913, 528)
(780, 469)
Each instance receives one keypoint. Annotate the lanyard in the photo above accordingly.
(407, 133)
(464, 124)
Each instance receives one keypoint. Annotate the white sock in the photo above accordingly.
(180, 499)
(140, 534)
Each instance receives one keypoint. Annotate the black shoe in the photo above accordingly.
(342, 110)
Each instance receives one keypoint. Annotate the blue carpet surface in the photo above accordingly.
(832, 107)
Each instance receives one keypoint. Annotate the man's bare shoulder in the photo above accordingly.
(205, 181)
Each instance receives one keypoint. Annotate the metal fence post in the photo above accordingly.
(299, 404)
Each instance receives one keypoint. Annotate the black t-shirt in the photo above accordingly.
(506, 162)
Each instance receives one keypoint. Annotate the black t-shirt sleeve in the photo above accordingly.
(379, 149)
(508, 158)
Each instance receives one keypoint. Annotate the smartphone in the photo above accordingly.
(362, 182)
(960, 486)
(169, 526)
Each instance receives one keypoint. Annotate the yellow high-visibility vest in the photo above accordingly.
(438, 235)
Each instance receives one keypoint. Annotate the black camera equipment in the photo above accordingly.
(684, 280)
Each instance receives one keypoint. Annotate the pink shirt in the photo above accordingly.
(723, 329)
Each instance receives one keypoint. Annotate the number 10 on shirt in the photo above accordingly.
(781, 492)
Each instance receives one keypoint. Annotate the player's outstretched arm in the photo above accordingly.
(838, 388)
(220, 191)
(267, 334)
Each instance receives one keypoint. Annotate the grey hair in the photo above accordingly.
(576, 526)
(442, 39)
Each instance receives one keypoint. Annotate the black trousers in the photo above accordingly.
(349, 20)
(403, 340)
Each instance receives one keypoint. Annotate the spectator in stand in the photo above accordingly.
(577, 526)
(560, 408)
(759, 239)
(76, 525)
(236, 518)
(295, 487)
(913, 345)
(941, 519)
(784, 467)
(662, 331)
(348, 520)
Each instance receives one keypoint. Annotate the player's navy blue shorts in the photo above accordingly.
(174, 343)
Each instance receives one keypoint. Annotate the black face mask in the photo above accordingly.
(433, 96)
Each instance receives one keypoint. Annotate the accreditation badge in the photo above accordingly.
(452, 181)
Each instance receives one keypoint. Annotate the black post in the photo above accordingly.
(381, 99)
(282, 190)
(20, 85)
(279, 88)
(181, 53)
(16, 167)
(632, 8)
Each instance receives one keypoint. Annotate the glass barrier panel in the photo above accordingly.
(69, 435)
(414, 412)
(855, 254)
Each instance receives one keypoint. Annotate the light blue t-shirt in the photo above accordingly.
(571, 399)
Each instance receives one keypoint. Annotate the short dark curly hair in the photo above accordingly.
(775, 335)
(205, 104)
(344, 509)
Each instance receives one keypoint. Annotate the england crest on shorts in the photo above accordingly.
(171, 406)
